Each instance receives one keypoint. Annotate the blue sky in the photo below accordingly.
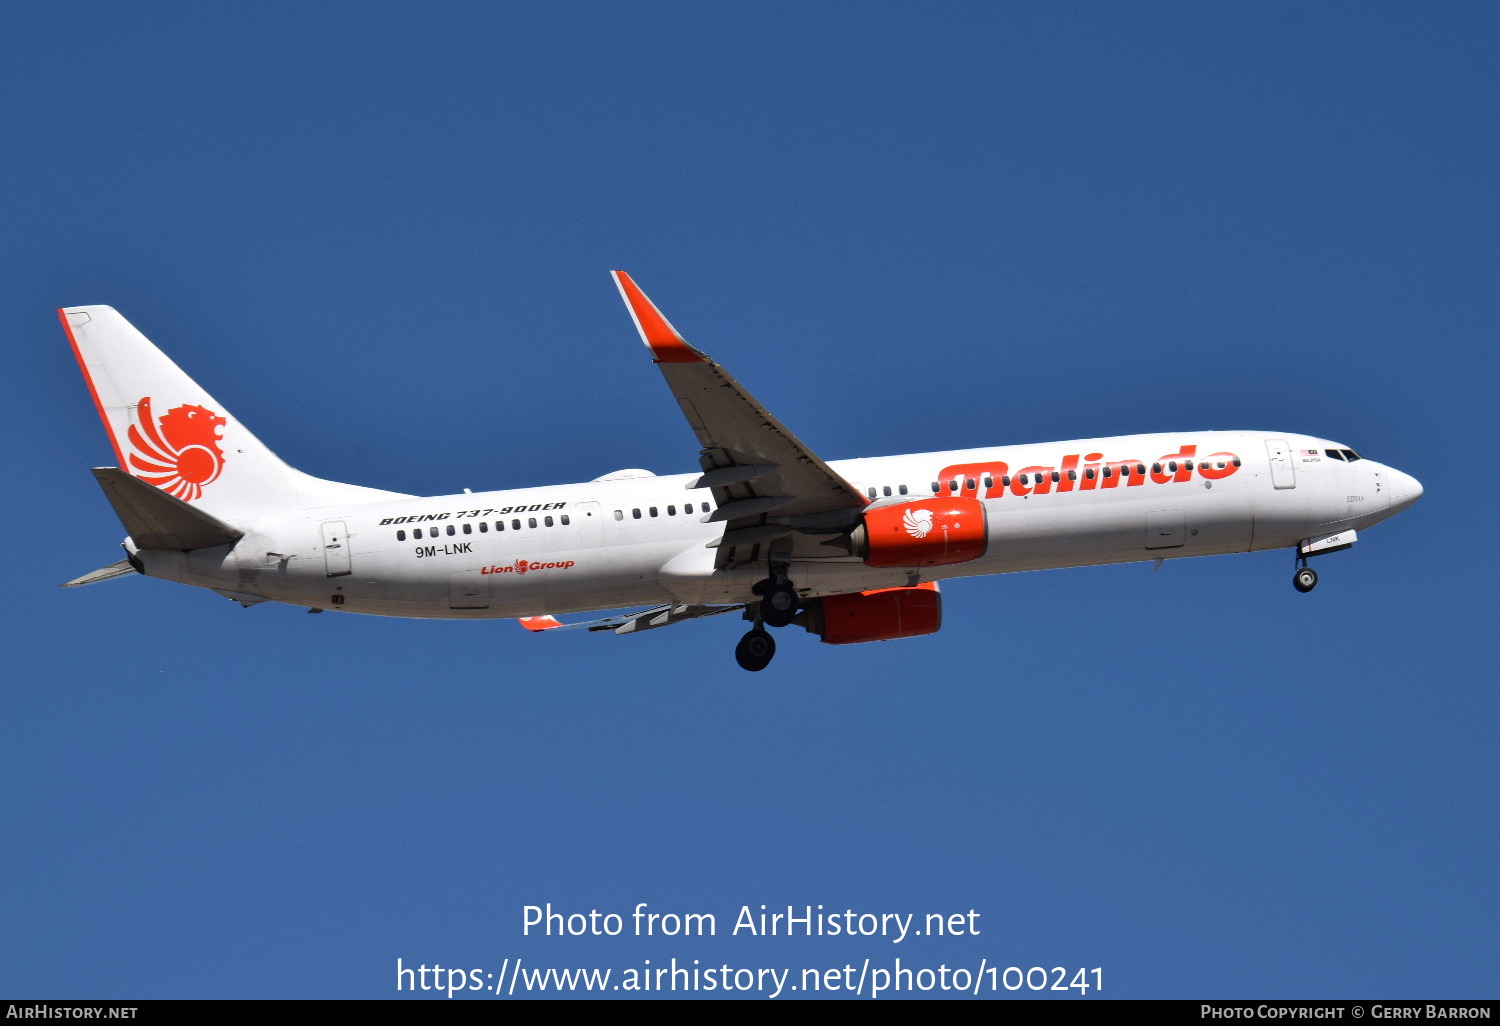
(382, 236)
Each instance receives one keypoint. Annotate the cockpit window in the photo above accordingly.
(1351, 455)
(1337, 454)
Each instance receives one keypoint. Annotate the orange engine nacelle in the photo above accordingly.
(876, 615)
(926, 532)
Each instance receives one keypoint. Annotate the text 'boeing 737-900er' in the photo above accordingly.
(851, 550)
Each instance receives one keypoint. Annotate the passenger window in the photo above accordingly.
(484, 527)
(1172, 467)
(671, 511)
(1089, 473)
(531, 521)
(1072, 475)
(547, 521)
(1056, 477)
(451, 531)
(969, 484)
(467, 528)
(1140, 468)
(515, 525)
(619, 514)
(416, 533)
(653, 511)
(401, 536)
(1005, 481)
(636, 513)
(1023, 478)
(499, 525)
(936, 488)
(902, 489)
(565, 520)
(989, 482)
(870, 492)
(953, 485)
(1156, 468)
(1235, 461)
(1107, 473)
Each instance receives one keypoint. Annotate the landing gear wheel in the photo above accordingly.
(779, 604)
(1305, 579)
(755, 650)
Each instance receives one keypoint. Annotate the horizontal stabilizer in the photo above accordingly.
(104, 573)
(156, 520)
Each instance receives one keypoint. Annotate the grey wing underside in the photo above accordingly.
(631, 623)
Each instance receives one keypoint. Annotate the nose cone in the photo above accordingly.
(1405, 489)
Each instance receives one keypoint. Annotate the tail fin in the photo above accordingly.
(170, 433)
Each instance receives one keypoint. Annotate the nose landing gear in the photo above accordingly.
(1304, 578)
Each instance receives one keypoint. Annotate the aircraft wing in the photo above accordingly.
(766, 484)
(629, 623)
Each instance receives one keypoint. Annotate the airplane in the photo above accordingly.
(850, 551)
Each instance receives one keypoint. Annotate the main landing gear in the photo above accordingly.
(779, 603)
(777, 607)
(1304, 578)
(755, 649)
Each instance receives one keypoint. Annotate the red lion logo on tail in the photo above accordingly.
(178, 453)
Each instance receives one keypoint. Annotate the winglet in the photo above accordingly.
(539, 623)
(656, 331)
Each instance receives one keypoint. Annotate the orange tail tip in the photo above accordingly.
(656, 331)
(539, 623)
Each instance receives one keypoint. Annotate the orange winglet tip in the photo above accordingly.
(656, 331)
(539, 623)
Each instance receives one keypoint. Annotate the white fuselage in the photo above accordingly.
(643, 540)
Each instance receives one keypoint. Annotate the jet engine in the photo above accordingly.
(882, 615)
(924, 532)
